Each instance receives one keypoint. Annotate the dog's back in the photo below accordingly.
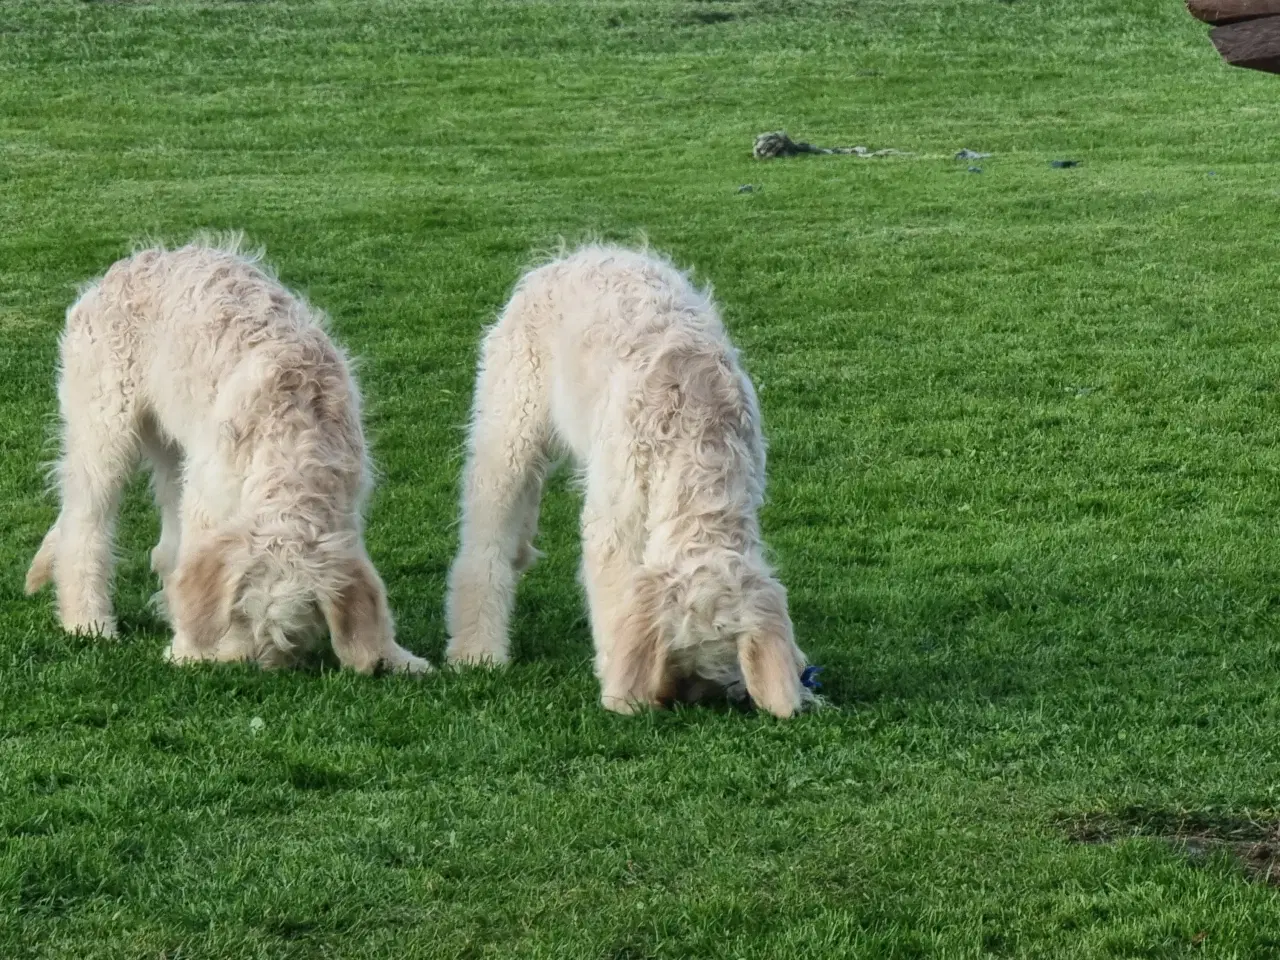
(208, 331)
(641, 367)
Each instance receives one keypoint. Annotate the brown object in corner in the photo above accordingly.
(1254, 44)
(1232, 11)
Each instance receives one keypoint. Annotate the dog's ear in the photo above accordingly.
(202, 592)
(771, 663)
(360, 625)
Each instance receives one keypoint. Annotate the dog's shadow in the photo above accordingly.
(945, 642)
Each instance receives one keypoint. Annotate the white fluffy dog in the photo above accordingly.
(613, 355)
(200, 361)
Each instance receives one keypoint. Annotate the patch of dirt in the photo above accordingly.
(1252, 840)
(709, 17)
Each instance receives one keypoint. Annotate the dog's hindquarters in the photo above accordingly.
(502, 484)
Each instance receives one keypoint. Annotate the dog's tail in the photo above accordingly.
(41, 570)
(770, 660)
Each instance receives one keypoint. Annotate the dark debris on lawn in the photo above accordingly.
(1251, 841)
(776, 143)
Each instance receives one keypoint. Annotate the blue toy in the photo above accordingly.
(809, 677)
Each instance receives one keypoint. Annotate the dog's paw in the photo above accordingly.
(180, 652)
(406, 662)
(101, 628)
(177, 657)
(164, 560)
(526, 556)
(625, 706)
(159, 605)
(475, 655)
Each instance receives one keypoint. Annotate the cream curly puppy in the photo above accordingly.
(612, 355)
(199, 361)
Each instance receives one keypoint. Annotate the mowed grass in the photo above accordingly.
(1025, 446)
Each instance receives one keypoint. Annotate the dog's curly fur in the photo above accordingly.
(200, 361)
(613, 355)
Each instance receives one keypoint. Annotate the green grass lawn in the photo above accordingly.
(1024, 482)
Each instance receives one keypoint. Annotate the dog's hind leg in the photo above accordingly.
(166, 485)
(502, 483)
(527, 507)
(100, 451)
